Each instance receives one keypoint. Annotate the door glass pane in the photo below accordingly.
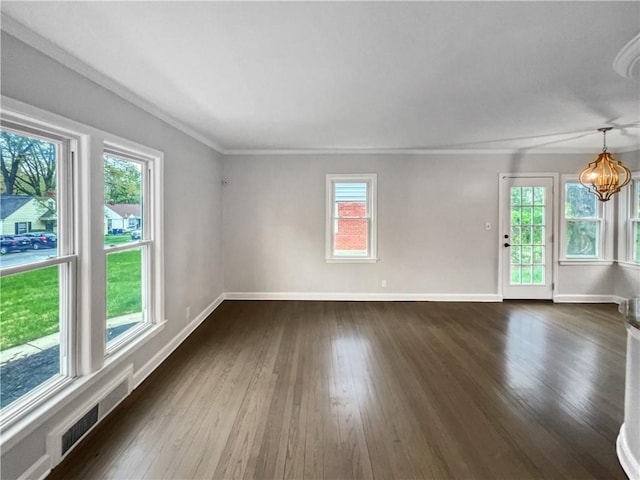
(538, 196)
(538, 215)
(124, 291)
(516, 255)
(538, 255)
(29, 331)
(538, 275)
(538, 235)
(527, 236)
(516, 215)
(516, 235)
(526, 275)
(28, 202)
(516, 196)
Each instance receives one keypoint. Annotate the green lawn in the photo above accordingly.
(28, 306)
(29, 301)
(123, 283)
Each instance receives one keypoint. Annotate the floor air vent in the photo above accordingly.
(77, 430)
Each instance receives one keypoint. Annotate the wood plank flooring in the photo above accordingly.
(384, 390)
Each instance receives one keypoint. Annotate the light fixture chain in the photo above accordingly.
(604, 131)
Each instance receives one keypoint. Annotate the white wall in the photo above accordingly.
(192, 216)
(432, 211)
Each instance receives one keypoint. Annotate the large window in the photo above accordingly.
(351, 218)
(128, 258)
(583, 226)
(61, 291)
(37, 265)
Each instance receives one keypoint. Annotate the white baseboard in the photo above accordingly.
(161, 356)
(39, 470)
(618, 299)
(630, 464)
(365, 297)
(560, 298)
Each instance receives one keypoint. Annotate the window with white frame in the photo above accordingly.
(583, 226)
(46, 305)
(37, 277)
(128, 178)
(634, 220)
(351, 218)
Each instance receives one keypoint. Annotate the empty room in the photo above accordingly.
(320, 240)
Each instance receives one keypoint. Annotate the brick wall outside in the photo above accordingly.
(352, 233)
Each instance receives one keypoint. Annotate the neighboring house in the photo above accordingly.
(24, 213)
(121, 217)
(351, 232)
(351, 208)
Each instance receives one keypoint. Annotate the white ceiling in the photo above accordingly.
(364, 75)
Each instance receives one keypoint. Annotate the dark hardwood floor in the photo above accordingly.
(384, 390)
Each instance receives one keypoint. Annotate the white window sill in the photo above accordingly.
(585, 262)
(133, 340)
(351, 260)
(629, 265)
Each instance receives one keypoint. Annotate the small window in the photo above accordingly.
(22, 227)
(351, 218)
(583, 235)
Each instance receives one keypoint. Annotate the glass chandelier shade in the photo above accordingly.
(605, 176)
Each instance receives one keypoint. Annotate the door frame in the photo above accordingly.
(503, 197)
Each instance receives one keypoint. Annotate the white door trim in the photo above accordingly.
(501, 226)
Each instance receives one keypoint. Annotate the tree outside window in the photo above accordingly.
(583, 222)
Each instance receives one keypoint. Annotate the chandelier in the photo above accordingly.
(605, 176)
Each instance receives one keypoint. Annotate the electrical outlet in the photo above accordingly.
(384, 284)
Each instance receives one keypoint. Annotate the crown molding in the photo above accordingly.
(627, 58)
(38, 42)
(424, 151)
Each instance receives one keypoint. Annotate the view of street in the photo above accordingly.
(28, 256)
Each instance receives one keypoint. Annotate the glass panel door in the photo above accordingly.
(527, 246)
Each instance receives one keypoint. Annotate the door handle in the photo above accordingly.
(507, 244)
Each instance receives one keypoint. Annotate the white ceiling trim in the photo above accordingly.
(627, 59)
(537, 150)
(31, 38)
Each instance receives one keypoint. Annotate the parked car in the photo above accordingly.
(11, 243)
(136, 235)
(42, 240)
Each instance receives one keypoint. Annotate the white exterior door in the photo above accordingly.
(527, 205)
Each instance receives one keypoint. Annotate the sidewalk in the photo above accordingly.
(39, 344)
